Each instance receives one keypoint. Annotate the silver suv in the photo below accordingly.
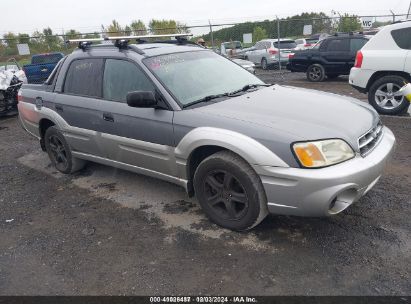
(269, 52)
(242, 147)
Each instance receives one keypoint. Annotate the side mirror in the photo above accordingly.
(141, 99)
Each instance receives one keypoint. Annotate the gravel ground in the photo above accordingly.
(109, 232)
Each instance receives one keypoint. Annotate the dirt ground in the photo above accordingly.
(109, 232)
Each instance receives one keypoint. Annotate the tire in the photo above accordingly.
(60, 153)
(264, 64)
(219, 180)
(382, 95)
(245, 57)
(315, 73)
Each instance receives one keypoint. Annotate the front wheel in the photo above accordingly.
(60, 153)
(315, 73)
(385, 97)
(230, 192)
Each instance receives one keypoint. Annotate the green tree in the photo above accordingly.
(11, 40)
(72, 34)
(52, 41)
(92, 36)
(259, 33)
(24, 38)
(162, 27)
(349, 23)
(115, 29)
(138, 27)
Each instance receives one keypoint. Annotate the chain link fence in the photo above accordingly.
(268, 44)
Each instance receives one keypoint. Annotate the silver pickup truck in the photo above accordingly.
(184, 114)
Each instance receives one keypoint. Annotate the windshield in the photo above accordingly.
(192, 76)
(285, 45)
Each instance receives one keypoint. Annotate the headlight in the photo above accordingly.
(322, 153)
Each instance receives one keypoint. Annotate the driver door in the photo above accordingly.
(141, 137)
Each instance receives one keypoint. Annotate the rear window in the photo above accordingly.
(285, 45)
(402, 38)
(338, 45)
(233, 45)
(357, 44)
(84, 78)
(45, 59)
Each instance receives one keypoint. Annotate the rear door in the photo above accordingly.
(79, 104)
(142, 137)
(336, 54)
(402, 39)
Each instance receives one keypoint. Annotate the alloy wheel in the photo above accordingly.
(225, 195)
(388, 96)
(315, 73)
(58, 153)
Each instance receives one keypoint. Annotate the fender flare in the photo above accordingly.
(248, 148)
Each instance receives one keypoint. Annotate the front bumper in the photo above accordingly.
(326, 191)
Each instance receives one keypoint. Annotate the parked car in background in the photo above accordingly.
(231, 48)
(383, 66)
(305, 43)
(41, 66)
(330, 57)
(248, 65)
(269, 52)
(184, 114)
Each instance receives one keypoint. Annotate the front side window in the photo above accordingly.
(122, 77)
(338, 45)
(84, 77)
(402, 38)
(191, 76)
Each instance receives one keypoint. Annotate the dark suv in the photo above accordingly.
(330, 57)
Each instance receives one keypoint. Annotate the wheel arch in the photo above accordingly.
(202, 142)
(44, 124)
(381, 74)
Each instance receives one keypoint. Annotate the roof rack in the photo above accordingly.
(122, 41)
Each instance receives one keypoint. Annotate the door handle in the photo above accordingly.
(108, 117)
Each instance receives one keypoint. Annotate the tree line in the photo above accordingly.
(49, 41)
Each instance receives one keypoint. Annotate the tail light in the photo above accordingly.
(358, 60)
(19, 96)
(307, 45)
(272, 51)
(290, 56)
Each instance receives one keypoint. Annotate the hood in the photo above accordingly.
(299, 114)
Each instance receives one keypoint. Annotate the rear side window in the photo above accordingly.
(338, 45)
(84, 77)
(122, 77)
(357, 44)
(402, 38)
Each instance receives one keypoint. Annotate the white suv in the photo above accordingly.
(383, 66)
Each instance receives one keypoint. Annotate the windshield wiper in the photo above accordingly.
(206, 99)
(249, 87)
(230, 94)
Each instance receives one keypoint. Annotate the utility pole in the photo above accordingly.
(211, 34)
(393, 16)
(278, 42)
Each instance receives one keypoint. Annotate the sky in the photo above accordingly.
(88, 15)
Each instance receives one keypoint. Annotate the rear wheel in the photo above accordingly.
(264, 64)
(230, 192)
(315, 73)
(60, 153)
(385, 97)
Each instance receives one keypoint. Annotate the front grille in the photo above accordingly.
(369, 140)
